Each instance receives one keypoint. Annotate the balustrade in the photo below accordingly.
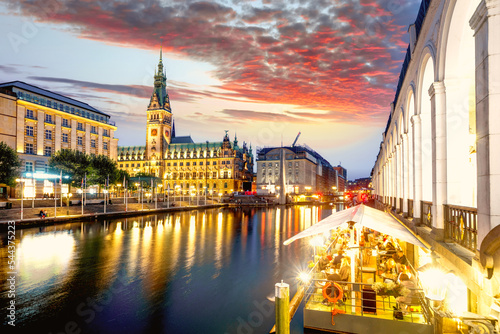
(426, 213)
(461, 225)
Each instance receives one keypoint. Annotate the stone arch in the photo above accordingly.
(457, 70)
(411, 110)
(426, 75)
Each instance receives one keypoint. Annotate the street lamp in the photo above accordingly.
(434, 281)
(22, 195)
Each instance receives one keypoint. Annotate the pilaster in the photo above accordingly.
(417, 165)
(439, 162)
(486, 25)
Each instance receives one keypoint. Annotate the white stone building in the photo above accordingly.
(439, 160)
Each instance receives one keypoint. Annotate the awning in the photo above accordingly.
(363, 216)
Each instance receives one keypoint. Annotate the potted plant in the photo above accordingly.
(390, 289)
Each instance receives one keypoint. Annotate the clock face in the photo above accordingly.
(167, 133)
(154, 132)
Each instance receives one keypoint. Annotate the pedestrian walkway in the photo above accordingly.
(32, 215)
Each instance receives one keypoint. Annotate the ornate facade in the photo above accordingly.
(185, 166)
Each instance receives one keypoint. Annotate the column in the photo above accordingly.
(486, 25)
(99, 140)
(398, 177)
(20, 124)
(40, 136)
(73, 134)
(417, 165)
(57, 134)
(406, 174)
(87, 138)
(439, 160)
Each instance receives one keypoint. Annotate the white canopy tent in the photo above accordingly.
(364, 216)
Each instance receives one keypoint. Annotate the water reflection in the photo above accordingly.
(186, 272)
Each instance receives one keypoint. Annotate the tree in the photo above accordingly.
(72, 163)
(9, 165)
(77, 165)
(120, 175)
(103, 167)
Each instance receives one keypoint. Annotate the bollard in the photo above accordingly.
(282, 294)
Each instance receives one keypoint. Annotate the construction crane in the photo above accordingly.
(296, 138)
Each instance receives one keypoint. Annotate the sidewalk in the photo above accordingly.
(31, 216)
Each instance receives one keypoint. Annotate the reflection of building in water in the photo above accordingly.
(186, 166)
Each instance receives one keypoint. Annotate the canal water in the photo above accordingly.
(207, 271)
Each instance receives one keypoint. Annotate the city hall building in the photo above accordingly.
(36, 123)
(185, 166)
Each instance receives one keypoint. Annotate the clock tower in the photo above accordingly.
(159, 122)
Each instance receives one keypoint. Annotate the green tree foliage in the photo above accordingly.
(72, 163)
(9, 165)
(76, 165)
(120, 175)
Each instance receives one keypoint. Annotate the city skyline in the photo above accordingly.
(329, 73)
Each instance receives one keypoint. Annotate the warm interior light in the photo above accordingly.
(304, 278)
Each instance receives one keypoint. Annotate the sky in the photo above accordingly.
(265, 70)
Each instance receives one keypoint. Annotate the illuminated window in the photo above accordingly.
(28, 148)
(47, 151)
(214, 175)
(29, 130)
(29, 188)
(48, 187)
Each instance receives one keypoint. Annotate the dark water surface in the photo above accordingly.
(205, 271)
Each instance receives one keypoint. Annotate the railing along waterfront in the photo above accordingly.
(361, 303)
(401, 205)
(426, 213)
(410, 208)
(461, 225)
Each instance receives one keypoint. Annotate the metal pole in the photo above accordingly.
(141, 195)
(282, 294)
(125, 193)
(55, 197)
(33, 183)
(156, 198)
(22, 198)
(105, 194)
(168, 196)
